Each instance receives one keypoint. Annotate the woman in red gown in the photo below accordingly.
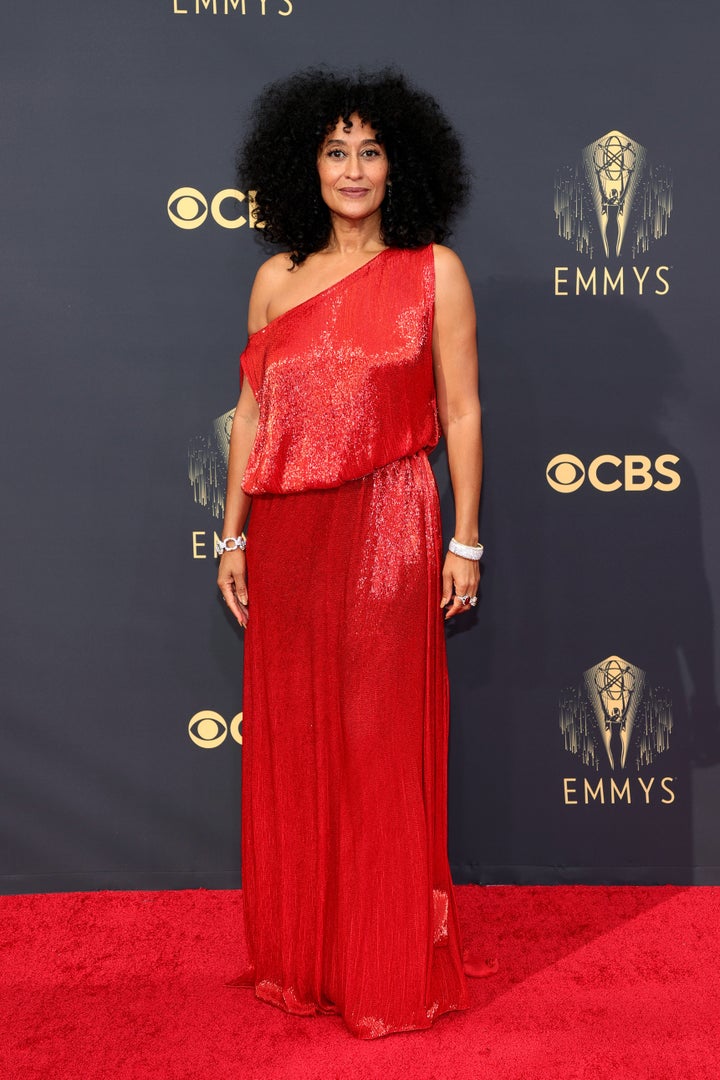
(361, 350)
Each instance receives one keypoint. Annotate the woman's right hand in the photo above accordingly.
(232, 582)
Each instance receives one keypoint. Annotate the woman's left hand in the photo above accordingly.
(462, 575)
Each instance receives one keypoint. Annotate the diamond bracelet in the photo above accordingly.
(239, 543)
(466, 551)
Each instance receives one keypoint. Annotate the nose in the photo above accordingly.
(354, 168)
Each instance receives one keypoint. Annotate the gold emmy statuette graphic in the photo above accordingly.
(613, 710)
(615, 687)
(629, 199)
(613, 165)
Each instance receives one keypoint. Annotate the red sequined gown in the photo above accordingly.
(347, 893)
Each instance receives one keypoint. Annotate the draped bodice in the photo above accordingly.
(344, 380)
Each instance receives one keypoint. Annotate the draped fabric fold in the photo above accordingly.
(347, 895)
(344, 380)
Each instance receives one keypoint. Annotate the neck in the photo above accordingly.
(348, 237)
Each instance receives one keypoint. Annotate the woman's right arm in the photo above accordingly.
(232, 571)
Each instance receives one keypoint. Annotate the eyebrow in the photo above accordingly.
(343, 142)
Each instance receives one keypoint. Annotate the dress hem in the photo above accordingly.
(370, 1028)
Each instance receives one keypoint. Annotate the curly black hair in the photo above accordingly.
(290, 120)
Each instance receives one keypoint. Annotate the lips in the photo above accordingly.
(354, 193)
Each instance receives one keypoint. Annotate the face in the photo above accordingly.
(353, 168)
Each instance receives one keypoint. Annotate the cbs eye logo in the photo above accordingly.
(188, 208)
(634, 472)
(209, 729)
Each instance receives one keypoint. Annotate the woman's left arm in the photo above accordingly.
(455, 363)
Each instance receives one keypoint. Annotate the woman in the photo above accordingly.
(361, 345)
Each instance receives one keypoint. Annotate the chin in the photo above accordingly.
(356, 212)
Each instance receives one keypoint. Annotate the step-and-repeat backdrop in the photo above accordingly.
(584, 735)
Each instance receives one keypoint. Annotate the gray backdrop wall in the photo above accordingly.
(584, 738)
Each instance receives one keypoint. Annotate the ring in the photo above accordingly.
(467, 599)
(473, 601)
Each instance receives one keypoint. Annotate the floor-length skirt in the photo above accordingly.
(347, 895)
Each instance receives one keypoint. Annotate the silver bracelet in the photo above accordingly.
(239, 543)
(466, 551)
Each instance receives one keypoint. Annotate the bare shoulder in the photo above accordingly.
(270, 277)
(449, 268)
(273, 268)
(453, 292)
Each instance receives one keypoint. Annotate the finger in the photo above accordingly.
(233, 601)
(454, 608)
(241, 614)
(447, 587)
(241, 595)
(240, 588)
(459, 604)
(233, 586)
(237, 609)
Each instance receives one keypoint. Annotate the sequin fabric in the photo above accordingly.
(440, 898)
(347, 896)
(344, 380)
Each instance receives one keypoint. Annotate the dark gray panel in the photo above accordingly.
(122, 338)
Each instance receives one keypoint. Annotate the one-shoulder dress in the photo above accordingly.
(346, 887)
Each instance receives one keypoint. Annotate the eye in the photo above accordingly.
(565, 472)
(207, 729)
(370, 152)
(336, 151)
(187, 208)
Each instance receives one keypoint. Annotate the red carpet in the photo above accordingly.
(594, 982)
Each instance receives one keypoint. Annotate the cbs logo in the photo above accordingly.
(634, 472)
(209, 729)
(188, 208)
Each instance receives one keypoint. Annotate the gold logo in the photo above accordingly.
(613, 200)
(565, 472)
(613, 709)
(230, 7)
(207, 472)
(608, 472)
(209, 729)
(599, 281)
(207, 464)
(188, 208)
